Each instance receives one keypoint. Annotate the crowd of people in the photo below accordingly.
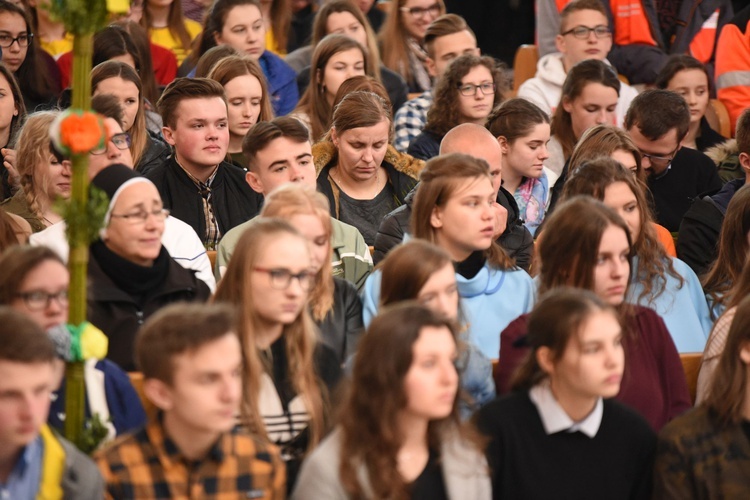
(347, 260)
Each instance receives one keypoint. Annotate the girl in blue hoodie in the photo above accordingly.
(455, 209)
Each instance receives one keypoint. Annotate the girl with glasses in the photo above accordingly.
(121, 80)
(399, 434)
(35, 282)
(36, 71)
(467, 92)
(402, 36)
(44, 175)
(288, 374)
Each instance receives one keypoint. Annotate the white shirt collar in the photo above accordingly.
(554, 419)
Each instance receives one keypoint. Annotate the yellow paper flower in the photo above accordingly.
(94, 343)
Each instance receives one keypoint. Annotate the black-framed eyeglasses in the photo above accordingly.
(660, 161)
(471, 89)
(420, 12)
(37, 300)
(24, 39)
(582, 32)
(121, 141)
(141, 216)
(282, 278)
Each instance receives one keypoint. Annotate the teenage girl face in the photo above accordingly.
(416, 24)
(475, 108)
(526, 155)
(280, 254)
(48, 279)
(465, 223)
(56, 176)
(619, 197)
(244, 31)
(344, 23)
(319, 239)
(612, 269)
(595, 106)
(127, 94)
(244, 95)
(440, 292)
(340, 67)
(431, 384)
(13, 25)
(692, 84)
(8, 108)
(593, 361)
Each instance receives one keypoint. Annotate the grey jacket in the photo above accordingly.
(465, 472)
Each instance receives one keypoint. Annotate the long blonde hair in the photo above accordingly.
(33, 149)
(296, 199)
(300, 336)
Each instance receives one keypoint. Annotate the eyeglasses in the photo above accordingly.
(660, 161)
(420, 12)
(471, 89)
(282, 278)
(582, 32)
(141, 216)
(121, 141)
(23, 40)
(37, 300)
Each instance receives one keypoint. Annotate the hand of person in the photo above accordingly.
(9, 162)
(501, 219)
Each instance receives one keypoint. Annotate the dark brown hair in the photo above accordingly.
(108, 106)
(515, 118)
(371, 436)
(261, 134)
(177, 329)
(186, 88)
(742, 133)
(363, 83)
(592, 179)
(578, 5)
(17, 262)
(728, 388)
(579, 77)
(22, 340)
(677, 63)
(721, 278)
(439, 180)
(209, 59)
(213, 23)
(556, 320)
(603, 140)
(444, 114)
(139, 38)
(655, 112)
(17, 121)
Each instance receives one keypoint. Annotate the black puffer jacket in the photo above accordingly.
(156, 153)
(516, 240)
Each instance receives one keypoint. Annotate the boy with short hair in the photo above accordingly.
(196, 183)
(584, 34)
(279, 151)
(35, 462)
(192, 367)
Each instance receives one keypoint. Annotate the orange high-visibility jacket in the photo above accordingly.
(639, 50)
(733, 65)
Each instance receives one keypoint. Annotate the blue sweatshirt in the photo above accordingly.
(684, 310)
(489, 302)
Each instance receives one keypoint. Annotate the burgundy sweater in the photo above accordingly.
(653, 383)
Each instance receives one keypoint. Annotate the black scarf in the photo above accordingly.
(135, 280)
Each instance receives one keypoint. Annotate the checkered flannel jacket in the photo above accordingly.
(148, 465)
(410, 120)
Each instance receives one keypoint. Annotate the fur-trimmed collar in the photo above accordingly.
(324, 152)
(722, 152)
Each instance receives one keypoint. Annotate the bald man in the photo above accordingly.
(476, 141)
